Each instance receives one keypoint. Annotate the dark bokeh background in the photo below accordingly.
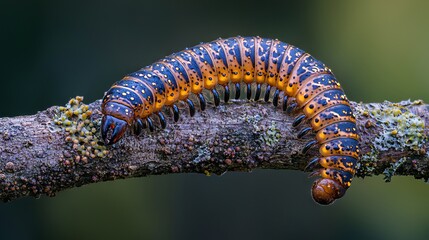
(54, 50)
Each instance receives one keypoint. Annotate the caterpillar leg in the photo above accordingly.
(162, 120)
(312, 164)
(267, 93)
(291, 108)
(191, 107)
(175, 113)
(276, 98)
(308, 145)
(226, 94)
(249, 91)
(138, 126)
(285, 98)
(118, 126)
(216, 97)
(202, 101)
(237, 90)
(150, 124)
(258, 92)
(304, 132)
(298, 120)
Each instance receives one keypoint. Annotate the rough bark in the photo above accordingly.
(38, 157)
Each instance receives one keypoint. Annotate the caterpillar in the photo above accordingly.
(302, 84)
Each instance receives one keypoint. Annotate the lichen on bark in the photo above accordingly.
(37, 156)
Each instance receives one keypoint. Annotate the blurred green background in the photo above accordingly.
(54, 50)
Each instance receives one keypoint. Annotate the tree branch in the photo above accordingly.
(38, 156)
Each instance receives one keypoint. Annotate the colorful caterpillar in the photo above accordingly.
(307, 85)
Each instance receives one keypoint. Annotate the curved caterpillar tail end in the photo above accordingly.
(325, 191)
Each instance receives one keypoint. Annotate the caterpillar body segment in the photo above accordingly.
(299, 82)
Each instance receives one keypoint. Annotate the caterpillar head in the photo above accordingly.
(325, 191)
(116, 119)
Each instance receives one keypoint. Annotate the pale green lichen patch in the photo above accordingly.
(401, 129)
(269, 135)
(203, 155)
(252, 119)
(81, 131)
(396, 128)
(391, 170)
(367, 164)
